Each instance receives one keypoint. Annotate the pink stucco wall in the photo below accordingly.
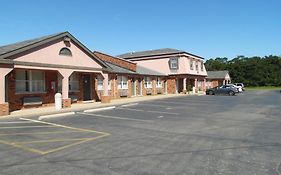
(162, 65)
(49, 54)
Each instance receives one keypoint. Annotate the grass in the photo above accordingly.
(264, 88)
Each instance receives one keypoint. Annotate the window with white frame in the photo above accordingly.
(30, 81)
(159, 82)
(122, 82)
(100, 82)
(202, 66)
(147, 82)
(196, 65)
(191, 64)
(74, 82)
(174, 63)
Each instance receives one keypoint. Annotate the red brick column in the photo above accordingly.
(66, 103)
(4, 109)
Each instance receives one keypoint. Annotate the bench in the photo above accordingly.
(123, 93)
(159, 91)
(148, 91)
(30, 101)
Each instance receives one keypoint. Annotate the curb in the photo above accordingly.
(99, 109)
(55, 115)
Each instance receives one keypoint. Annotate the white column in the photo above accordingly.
(105, 84)
(3, 73)
(184, 84)
(65, 81)
(196, 85)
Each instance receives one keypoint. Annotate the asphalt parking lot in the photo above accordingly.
(180, 135)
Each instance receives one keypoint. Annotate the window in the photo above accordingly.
(147, 82)
(74, 82)
(122, 82)
(196, 65)
(159, 82)
(109, 85)
(191, 64)
(202, 66)
(100, 82)
(65, 51)
(30, 81)
(174, 63)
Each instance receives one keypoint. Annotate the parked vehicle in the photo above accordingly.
(222, 90)
(240, 85)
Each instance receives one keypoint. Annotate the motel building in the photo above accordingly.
(33, 71)
(185, 71)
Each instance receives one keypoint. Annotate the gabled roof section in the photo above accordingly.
(16, 48)
(115, 60)
(117, 69)
(157, 52)
(217, 74)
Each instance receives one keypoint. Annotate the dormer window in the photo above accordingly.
(65, 51)
(174, 63)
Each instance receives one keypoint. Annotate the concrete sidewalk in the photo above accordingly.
(82, 106)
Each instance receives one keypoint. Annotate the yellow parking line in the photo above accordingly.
(63, 126)
(73, 144)
(53, 140)
(22, 147)
(80, 140)
(38, 133)
(15, 127)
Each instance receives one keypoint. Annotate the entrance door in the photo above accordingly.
(87, 87)
(133, 85)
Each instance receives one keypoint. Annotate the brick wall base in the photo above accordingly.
(4, 109)
(105, 99)
(66, 103)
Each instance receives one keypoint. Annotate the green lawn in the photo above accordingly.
(264, 88)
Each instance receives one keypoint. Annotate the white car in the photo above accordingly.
(238, 87)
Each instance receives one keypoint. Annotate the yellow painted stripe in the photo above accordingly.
(15, 127)
(73, 144)
(22, 147)
(63, 126)
(52, 140)
(38, 133)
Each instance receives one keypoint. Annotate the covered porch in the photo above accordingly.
(190, 83)
(30, 86)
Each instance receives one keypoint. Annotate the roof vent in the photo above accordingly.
(66, 39)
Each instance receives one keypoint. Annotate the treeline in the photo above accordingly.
(252, 71)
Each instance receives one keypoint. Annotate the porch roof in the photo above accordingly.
(140, 70)
(217, 74)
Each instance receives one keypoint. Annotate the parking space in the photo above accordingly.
(44, 137)
(181, 135)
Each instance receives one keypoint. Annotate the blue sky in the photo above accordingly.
(209, 28)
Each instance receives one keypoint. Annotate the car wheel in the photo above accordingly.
(231, 93)
(211, 93)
